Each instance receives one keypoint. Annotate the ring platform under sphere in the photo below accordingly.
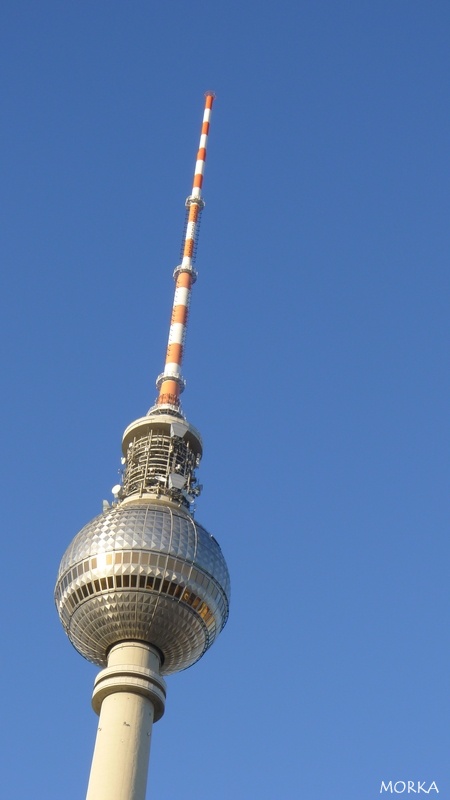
(143, 571)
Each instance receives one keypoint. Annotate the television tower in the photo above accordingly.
(143, 589)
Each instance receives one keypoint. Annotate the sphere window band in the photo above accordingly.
(162, 562)
(142, 582)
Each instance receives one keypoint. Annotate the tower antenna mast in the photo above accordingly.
(171, 383)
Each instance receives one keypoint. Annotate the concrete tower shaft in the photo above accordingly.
(128, 697)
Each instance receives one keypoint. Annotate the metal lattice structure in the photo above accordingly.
(160, 465)
(161, 454)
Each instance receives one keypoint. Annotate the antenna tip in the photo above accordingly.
(210, 94)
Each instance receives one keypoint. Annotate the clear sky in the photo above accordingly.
(316, 361)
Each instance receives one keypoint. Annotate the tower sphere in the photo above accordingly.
(143, 571)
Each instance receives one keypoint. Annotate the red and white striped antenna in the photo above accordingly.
(171, 383)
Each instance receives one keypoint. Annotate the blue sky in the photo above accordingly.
(316, 361)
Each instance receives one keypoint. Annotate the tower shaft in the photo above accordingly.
(129, 696)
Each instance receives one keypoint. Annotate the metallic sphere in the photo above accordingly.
(143, 571)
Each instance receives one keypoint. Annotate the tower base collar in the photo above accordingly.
(132, 677)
